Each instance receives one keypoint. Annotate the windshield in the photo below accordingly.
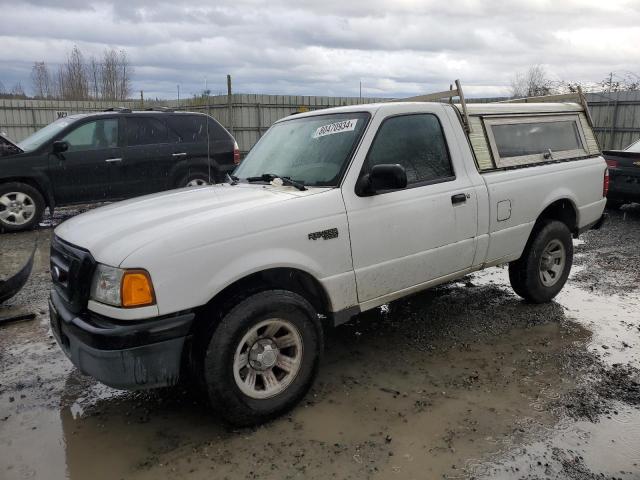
(634, 147)
(310, 150)
(43, 135)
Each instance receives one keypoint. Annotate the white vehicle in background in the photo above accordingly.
(332, 213)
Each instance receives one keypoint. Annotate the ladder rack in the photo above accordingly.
(434, 97)
(563, 97)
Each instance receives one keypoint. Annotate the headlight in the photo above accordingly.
(122, 287)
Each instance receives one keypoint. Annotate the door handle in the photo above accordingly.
(458, 198)
(181, 154)
(113, 160)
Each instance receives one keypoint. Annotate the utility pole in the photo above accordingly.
(360, 91)
(229, 105)
(178, 95)
(141, 99)
(610, 82)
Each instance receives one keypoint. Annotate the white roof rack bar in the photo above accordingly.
(578, 96)
(544, 98)
(434, 97)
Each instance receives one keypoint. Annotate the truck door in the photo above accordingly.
(403, 238)
(81, 174)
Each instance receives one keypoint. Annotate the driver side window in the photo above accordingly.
(94, 135)
(417, 143)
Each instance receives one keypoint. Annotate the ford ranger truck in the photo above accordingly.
(332, 213)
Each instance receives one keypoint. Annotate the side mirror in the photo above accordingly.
(383, 177)
(60, 146)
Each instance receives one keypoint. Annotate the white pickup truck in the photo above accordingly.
(332, 213)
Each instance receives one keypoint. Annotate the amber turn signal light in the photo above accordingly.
(137, 289)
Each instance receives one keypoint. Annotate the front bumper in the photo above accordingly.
(130, 355)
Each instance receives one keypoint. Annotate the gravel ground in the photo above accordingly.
(462, 381)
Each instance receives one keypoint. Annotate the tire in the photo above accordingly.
(544, 267)
(21, 207)
(196, 179)
(242, 373)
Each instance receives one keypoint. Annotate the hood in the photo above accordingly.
(113, 232)
(7, 147)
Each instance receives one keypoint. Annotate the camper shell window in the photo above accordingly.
(518, 140)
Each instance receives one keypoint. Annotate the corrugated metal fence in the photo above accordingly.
(616, 115)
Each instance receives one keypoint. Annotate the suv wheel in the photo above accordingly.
(544, 267)
(262, 357)
(197, 180)
(21, 207)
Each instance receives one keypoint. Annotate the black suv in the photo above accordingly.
(110, 155)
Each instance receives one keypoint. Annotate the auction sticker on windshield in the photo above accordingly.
(337, 127)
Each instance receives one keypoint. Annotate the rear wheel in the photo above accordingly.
(262, 357)
(197, 179)
(21, 207)
(545, 264)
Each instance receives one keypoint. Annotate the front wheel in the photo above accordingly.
(21, 207)
(544, 267)
(262, 357)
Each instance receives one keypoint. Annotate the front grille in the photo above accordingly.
(71, 271)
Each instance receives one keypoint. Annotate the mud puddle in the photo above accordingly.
(397, 396)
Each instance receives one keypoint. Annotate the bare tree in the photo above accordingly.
(77, 81)
(59, 83)
(116, 75)
(532, 83)
(94, 77)
(3, 90)
(41, 79)
(124, 76)
(616, 82)
(109, 75)
(17, 91)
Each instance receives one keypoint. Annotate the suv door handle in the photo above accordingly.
(458, 198)
(113, 160)
(181, 154)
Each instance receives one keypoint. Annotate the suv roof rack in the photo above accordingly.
(159, 109)
(117, 109)
(433, 97)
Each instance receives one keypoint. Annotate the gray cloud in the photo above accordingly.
(399, 47)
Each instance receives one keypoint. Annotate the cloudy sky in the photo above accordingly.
(326, 47)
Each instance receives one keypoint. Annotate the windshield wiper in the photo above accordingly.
(268, 177)
(232, 179)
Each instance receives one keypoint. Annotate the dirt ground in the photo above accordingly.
(462, 381)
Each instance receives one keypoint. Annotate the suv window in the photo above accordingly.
(193, 129)
(417, 143)
(94, 135)
(145, 131)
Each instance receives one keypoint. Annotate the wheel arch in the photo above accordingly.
(182, 170)
(277, 278)
(39, 184)
(562, 209)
